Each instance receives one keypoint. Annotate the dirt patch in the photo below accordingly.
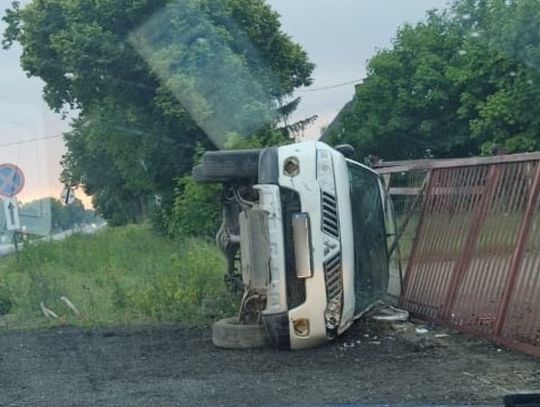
(176, 366)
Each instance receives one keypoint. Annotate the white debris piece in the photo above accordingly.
(391, 314)
(70, 305)
(47, 312)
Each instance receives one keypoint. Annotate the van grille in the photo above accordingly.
(332, 271)
(296, 287)
(330, 215)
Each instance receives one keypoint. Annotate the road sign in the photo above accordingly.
(11, 212)
(11, 180)
(68, 196)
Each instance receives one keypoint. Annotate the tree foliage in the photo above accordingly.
(465, 80)
(151, 80)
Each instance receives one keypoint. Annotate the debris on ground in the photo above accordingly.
(70, 305)
(385, 322)
(47, 312)
(385, 312)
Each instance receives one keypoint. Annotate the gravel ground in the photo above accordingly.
(176, 366)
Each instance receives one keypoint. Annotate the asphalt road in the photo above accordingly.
(176, 366)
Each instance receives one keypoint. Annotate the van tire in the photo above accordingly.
(228, 166)
(228, 333)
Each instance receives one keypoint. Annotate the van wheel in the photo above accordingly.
(228, 333)
(228, 166)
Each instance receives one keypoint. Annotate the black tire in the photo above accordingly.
(228, 333)
(228, 166)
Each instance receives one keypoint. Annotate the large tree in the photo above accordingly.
(465, 80)
(151, 80)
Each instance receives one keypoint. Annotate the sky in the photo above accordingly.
(339, 35)
(23, 117)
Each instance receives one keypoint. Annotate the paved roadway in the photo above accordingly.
(8, 248)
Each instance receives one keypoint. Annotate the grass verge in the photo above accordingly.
(120, 276)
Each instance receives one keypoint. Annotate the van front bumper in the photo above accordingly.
(290, 300)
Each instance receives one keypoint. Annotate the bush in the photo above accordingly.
(180, 296)
(196, 210)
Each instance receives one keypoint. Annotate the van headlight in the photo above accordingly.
(291, 167)
(325, 171)
(332, 315)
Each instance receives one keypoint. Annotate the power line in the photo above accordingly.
(33, 140)
(338, 85)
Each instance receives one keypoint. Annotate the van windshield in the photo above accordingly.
(370, 252)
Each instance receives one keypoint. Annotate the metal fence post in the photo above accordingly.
(432, 175)
(519, 251)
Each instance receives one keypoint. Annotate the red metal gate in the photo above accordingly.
(474, 263)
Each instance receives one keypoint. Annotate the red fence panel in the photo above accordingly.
(475, 259)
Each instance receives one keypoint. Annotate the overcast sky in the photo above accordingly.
(339, 36)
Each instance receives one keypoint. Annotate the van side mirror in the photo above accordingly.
(346, 149)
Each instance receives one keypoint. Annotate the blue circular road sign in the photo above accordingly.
(11, 180)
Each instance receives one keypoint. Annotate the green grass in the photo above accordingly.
(120, 276)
